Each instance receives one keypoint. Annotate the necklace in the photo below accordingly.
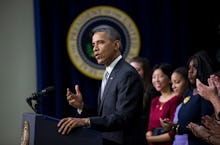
(160, 105)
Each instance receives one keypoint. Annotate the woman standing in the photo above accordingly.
(162, 106)
(194, 106)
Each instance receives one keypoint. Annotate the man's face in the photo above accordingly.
(105, 49)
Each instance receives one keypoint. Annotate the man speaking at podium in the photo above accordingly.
(119, 99)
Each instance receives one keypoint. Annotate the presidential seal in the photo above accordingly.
(79, 45)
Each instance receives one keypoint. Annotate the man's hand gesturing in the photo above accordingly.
(75, 100)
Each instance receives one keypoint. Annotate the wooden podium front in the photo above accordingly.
(43, 130)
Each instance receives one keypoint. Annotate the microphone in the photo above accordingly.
(43, 92)
(34, 98)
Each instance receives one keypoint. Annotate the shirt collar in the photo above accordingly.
(112, 65)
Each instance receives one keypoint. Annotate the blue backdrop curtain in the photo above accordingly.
(170, 32)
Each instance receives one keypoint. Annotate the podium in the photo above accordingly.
(43, 130)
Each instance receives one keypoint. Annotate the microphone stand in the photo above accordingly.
(34, 99)
(33, 102)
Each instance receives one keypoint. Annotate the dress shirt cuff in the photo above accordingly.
(89, 124)
(79, 111)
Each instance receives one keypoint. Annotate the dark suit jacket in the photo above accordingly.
(121, 105)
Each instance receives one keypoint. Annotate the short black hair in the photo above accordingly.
(109, 30)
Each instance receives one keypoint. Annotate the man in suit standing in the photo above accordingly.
(119, 101)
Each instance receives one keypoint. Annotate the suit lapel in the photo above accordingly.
(105, 93)
(110, 81)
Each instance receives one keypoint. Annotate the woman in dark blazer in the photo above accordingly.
(194, 106)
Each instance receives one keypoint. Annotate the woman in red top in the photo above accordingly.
(163, 106)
